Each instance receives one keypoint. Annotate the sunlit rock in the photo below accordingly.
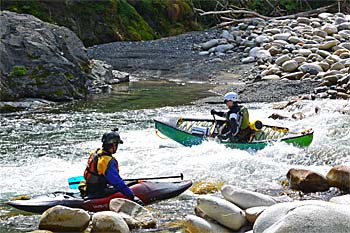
(108, 221)
(304, 216)
(253, 213)
(195, 224)
(222, 211)
(345, 199)
(134, 215)
(205, 187)
(245, 199)
(64, 219)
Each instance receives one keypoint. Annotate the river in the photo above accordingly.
(40, 150)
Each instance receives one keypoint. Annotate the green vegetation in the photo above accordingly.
(19, 71)
(97, 22)
(59, 92)
(168, 17)
(39, 73)
(134, 25)
(69, 75)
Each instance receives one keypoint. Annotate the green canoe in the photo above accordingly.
(193, 131)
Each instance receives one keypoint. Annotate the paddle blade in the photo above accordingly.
(74, 181)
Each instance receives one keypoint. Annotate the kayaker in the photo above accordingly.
(102, 172)
(236, 128)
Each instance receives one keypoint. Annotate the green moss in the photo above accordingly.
(38, 74)
(59, 92)
(32, 7)
(69, 75)
(136, 27)
(32, 56)
(290, 5)
(19, 71)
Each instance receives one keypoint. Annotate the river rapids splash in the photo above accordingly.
(41, 150)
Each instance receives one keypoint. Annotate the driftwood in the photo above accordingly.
(227, 21)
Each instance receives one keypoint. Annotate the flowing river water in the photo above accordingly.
(40, 150)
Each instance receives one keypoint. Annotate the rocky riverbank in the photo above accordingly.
(178, 59)
(262, 60)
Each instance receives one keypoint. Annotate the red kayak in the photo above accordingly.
(148, 192)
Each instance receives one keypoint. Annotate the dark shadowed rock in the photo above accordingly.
(306, 181)
(339, 176)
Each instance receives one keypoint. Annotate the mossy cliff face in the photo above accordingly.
(40, 60)
(97, 22)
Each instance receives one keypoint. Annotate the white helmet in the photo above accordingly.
(233, 96)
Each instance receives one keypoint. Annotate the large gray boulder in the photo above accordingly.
(304, 216)
(40, 60)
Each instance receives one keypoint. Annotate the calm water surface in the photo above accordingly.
(41, 150)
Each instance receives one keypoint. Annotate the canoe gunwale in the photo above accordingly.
(301, 139)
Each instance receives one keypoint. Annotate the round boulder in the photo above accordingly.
(65, 219)
(304, 216)
(108, 221)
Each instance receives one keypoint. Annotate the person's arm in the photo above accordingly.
(113, 177)
(214, 112)
(232, 125)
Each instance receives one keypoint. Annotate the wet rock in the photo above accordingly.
(25, 104)
(339, 176)
(276, 116)
(306, 181)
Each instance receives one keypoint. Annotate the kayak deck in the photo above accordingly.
(148, 192)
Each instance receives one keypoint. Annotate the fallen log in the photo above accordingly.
(229, 21)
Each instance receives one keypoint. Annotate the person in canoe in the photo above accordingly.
(236, 128)
(102, 171)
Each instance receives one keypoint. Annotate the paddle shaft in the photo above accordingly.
(278, 128)
(77, 179)
(156, 178)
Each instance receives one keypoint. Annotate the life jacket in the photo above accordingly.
(98, 163)
(243, 117)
